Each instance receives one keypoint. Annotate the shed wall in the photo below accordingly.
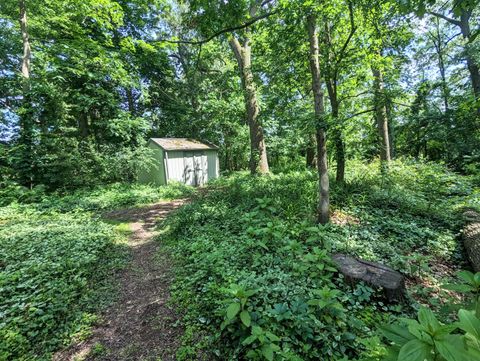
(155, 173)
(175, 166)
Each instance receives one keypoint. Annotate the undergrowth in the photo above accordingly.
(254, 274)
(57, 258)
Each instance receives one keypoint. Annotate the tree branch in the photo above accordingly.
(220, 32)
(360, 113)
(444, 17)
(353, 96)
(353, 28)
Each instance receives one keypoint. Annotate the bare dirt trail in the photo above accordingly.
(140, 325)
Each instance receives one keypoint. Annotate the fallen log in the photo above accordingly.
(372, 273)
(471, 238)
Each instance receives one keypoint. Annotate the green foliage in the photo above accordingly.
(428, 339)
(254, 272)
(57, 259)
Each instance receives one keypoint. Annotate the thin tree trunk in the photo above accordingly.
(391, 129)
(381, 114)
(331, 81)
(26, 121)
(322, 166)
(336, 132)
(310, 152)
(437, 42)
(258, 150)
(27, 55)
(83, 125)
(130, 100)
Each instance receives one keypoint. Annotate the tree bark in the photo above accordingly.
(26, 121)
(336, 133)
(310, 152)
(258, 150)
(323, 215)
(381, 114)
(27, 55)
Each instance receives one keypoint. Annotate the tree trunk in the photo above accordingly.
(26, 46)
(26, 121)
(381, 114)
(310, 152)
(391, 129)
(464, 24)
(438, 43)
(258, 150)
(337, 133)
(471, 64)
(130, 100)
(83, 125)
(322, 166)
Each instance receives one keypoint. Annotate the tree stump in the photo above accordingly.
(372, 273)
(471, 238)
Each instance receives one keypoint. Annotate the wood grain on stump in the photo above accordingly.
(372, 273)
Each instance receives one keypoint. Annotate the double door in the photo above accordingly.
(195, 168)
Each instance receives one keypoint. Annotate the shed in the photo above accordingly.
(183, 160)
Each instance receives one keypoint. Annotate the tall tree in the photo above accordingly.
(258, 150)
(335, 63)
(225, 16)
(26, 121)
(319, 107)
(381, 115)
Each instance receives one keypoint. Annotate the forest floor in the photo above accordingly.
(141, 325)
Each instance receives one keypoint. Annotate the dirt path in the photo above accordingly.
(141, 325)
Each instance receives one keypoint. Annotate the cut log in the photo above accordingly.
(372, 273)
(471, 238)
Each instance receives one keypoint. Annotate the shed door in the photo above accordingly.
(200, 167)
(188, 168)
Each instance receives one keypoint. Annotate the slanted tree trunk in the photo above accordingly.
(26, 121)
(258, 150)
(322, 165)
(381, 114)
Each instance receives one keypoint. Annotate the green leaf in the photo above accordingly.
(245, 317)
(467, 276)
(232, 310)
(257, 330)
(415, 350)
(469, 323)
(453, 348)
(272, 337)
(476, 278)
(267, 352)
(459, 288)
(428, 320)
(250, 339)
(397, 334)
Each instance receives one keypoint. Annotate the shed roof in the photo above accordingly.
(182, 144)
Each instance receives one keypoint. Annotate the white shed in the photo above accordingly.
(183, 160)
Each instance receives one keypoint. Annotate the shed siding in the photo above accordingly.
(172, 165)
(212, 164)
(175, 163)
(156, 172)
